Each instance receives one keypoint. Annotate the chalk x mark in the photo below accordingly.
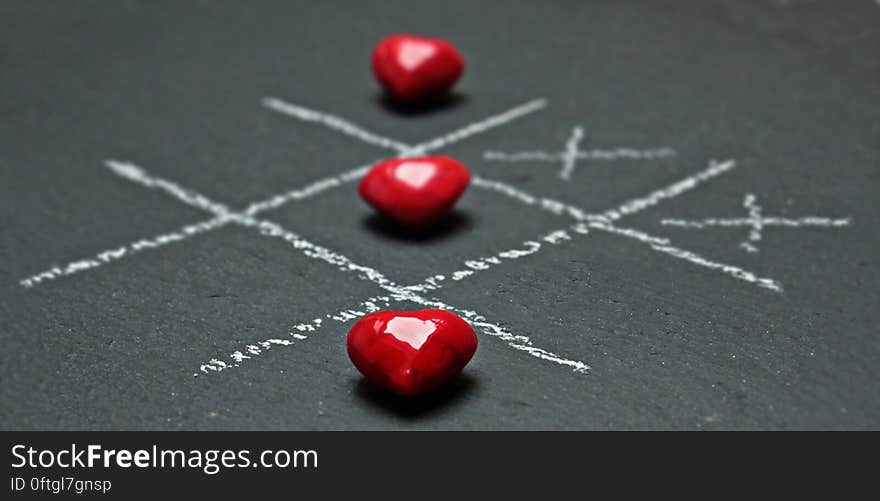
(572, 153)
(756, 222)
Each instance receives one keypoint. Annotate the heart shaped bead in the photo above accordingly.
(410, 352)
(415, 191)
(413, 68)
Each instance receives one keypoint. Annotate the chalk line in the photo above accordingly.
(639, 204)
(641, 236)
(117, 253)
(591, 154)
(299, 332)
(333, 122)
(138, 175)
(544, 203)
(475, 265)
(765, 221)
(523, 156)
(308, 191)
(571, 150)
(755, 213)
(728, 269)
(480, 127)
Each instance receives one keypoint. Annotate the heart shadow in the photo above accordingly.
(442, 398)
(419, 108)
(447, 226)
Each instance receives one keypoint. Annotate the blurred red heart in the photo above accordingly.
(410, 352)
(413, 68)
(415, 191)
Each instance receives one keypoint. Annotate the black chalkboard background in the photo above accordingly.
(789, 89)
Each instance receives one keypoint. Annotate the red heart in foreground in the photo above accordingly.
(410, 352)
(413, 68)
(415, 191)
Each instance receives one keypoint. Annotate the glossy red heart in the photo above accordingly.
(413, 68)
(410, 352)
(415, 191)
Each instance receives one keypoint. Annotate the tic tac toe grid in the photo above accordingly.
(420, 293)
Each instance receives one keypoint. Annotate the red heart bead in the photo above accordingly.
(410, 352)
(413, 68)
(415, 191)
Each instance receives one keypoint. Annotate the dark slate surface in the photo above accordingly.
(788, 88)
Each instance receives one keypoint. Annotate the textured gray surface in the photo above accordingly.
(787, 88)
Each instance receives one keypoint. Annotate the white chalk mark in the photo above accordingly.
(639, 204)
(547, 204)
(531, 248)
(767, 221)
(523, 156)
(591, 154)
(473, 266)
(138, 175)
(572, 153)
(630, 233)
(546, 355)
(333, 122)
(626, 154)
(479, 127)
(756, 222)
(299, 332)
(755, 213)
(731, 270)
(556, 237)
(111, 255)
(461, 274)
(310, 190)
(571, 150)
